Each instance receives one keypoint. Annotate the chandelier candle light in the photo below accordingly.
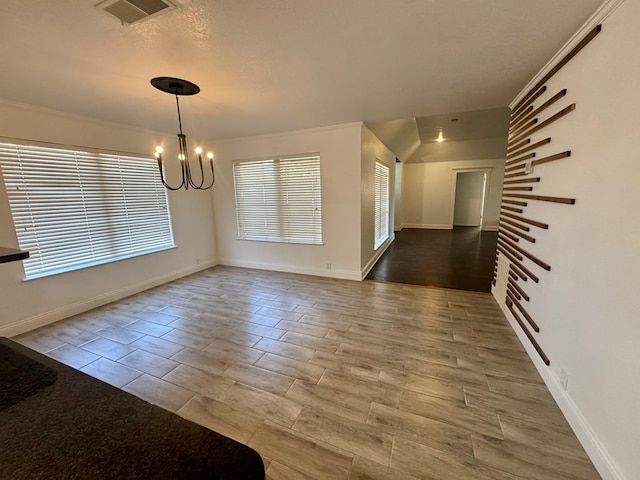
(177, 87)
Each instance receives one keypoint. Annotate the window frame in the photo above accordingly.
(381, 205)
(104, 201)
(269, 191)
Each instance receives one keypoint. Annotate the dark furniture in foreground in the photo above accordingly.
(58, 423)
(12, 255)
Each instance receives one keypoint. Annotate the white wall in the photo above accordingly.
(469, 196)
(374, 150)
(339, 256)
(428, 192)
(27, 304)
(587, 306)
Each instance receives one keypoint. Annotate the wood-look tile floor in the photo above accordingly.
(332, 379)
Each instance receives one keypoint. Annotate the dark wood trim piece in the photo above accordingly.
(519, 189)
(519, 272)
(530, 256)
(513, 275)
(544, 358)
(521, 159)
(551, 158)
(526, 220)
(514, 202)
(547, 122)
(515, 261)
(516, 132)
(522, 293)
(512, 209)
(518, 109)
(546, 104)
(517, 174)
(542, 198)
(515, 167)
(12, 255)
(513, 291)
(523, 180)
(503, 244)
(529, 148)
(515, 224)
(517, 232)
(590, 36)
(515, 119)
(533, 324)
(508, 235)
(519, 145)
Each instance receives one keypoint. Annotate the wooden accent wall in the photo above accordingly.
(525, 170)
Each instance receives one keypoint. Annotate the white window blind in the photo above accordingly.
(74, 209)
(279, 199)
(381, 204)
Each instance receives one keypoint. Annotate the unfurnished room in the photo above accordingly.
(293, 239)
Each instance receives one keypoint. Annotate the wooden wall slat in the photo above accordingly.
(530, 256)
(519, 109)
(590, 36)
(542, 198)
(514, 202)
(523, 180)
(508, 235)
(522, 293)
(529, 335)
(512, 209)
(546, 123)
(517, 232)
(532, 146)
(535, 223)
(545, 105)
(551, 158)
(533, 324)
(518, 145)
(517, 263)
(521, 159)
(515, 224)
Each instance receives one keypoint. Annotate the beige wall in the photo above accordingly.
(27, 304)
(374, 150)
(428, 192)
(587, 306)
(339, 256)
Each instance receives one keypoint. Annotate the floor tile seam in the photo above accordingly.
(311, 439)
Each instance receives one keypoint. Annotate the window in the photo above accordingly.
(74, 209)
(381, 205)
(278, 200)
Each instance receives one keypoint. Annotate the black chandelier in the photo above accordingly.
(177, 87)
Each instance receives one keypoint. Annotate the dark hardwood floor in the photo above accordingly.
(462, 258)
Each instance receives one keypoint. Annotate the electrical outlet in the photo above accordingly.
(328, 265)
(198, 261)
(528, 168)
(564, 379)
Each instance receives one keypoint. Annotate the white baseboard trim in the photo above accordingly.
(489, 229)
(596, 450)
(397, 229)
(383, 248)
(67, 311)
(342, 274)
(432, 226)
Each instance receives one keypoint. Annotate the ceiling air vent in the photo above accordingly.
(134, 11)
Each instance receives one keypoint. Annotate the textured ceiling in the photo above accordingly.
(273, 65)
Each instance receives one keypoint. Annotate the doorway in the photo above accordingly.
(469, 201)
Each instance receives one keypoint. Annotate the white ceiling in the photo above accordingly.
(274, 65)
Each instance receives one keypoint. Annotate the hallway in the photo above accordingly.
(462, 259)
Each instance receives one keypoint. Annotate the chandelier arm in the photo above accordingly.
(163, 180)
(199, 187)
(213, 177)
